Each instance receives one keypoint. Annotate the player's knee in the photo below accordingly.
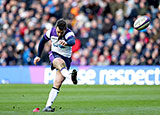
(59, 63)
(57, 84)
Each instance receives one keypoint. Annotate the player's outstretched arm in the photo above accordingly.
(40, 49)
(36, 59)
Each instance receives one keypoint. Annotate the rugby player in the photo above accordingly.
(62, 39)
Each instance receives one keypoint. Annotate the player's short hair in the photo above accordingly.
(61, 24)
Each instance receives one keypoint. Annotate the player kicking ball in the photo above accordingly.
(62, 39)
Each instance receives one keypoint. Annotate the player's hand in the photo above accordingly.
(63, 42)
(36, 59)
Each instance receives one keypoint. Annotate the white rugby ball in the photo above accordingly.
(142, 22)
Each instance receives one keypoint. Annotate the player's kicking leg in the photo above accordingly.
(60, 65)
(74, 76)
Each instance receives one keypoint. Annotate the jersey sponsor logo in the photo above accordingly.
(60, 46)
(54, 37)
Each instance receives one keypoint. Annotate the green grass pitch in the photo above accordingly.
(19, 99)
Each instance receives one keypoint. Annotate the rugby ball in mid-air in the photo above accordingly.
(142, 22)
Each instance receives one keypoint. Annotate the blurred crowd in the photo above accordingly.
(103, 28)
